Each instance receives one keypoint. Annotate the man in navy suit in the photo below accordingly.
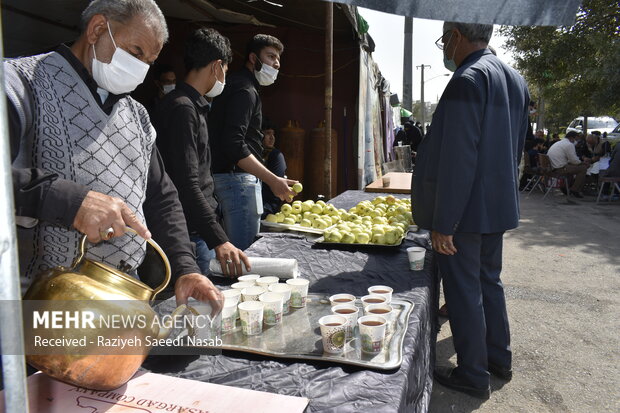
(465, 190)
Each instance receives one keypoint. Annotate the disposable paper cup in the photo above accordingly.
(384, 310)
(265, 282)
(272, 313)
(233, 295)
(416, 258)
(333, 333)
(229, 315)
(251, 293)
(250, 278)
(382, 290)
(386, 181)
(373, 299)
(241, 285)
(251, 313)
(350, 312)
(338, 299)
(285, 291)
(299, 291)
(372, 333)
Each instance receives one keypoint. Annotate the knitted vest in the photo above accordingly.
(65, 131)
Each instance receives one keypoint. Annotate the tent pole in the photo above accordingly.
(329, 63)
(11, 328)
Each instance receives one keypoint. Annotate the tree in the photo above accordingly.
(575, 69)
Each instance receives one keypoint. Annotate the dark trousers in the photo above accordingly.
(476, 305)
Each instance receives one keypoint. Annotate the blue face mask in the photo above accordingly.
(450, 64)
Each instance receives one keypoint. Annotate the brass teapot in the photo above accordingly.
(100, 307)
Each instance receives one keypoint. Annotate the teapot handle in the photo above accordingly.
(160, 251)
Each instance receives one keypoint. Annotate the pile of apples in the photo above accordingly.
(309, 214)
(384, 220)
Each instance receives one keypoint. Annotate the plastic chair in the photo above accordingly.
(547, 172)
(613, 181)
(535, 179)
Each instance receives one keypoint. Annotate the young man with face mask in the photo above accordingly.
(235, 138)
(183, 140)
(83, 153)
(465, 192)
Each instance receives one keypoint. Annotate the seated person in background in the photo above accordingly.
(597, 147)
(536, 148)
(532, 148)
(581, 147)
(613, 171)
(564, 159)
(274, 161)
(548, 143)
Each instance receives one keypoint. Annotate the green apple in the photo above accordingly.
(298, 187)
(297, 218)
(296, 208)
(321, 203)
(362, 238)
(286, 209)
(307, 205)
(280, 217)
(306, 223)
(378, 239)
(347, 238)
(289, 221)
(317, 208)
(271, 218)
(378, 230)
(334, 236)
(378, 200)
(390, 199)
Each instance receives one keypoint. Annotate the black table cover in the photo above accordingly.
(332, 387)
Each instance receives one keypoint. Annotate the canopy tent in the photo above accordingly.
(506, 12)
(32, 26)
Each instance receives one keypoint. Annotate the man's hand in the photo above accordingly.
(230, 258)
(443, 243)
(99, 212)
(201, 288)
(281, 187)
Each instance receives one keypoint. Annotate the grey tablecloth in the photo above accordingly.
(330, 387)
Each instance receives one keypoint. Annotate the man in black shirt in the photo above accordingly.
(183, 139)
(235, 139)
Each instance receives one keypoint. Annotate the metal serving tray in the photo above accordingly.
(294, 227)
(299, 337)
(321, 241)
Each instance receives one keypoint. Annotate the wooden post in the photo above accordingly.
(329, 50)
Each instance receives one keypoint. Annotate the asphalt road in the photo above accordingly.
(561, 274)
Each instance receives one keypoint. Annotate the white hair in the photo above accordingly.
(473, 32)
(124, 10)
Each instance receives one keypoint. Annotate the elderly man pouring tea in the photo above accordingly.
(83, 153)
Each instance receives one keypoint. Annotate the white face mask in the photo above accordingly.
(122, 75)
(168, 88)
(267, 75)
(218, 87)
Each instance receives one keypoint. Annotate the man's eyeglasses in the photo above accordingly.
(439, 43)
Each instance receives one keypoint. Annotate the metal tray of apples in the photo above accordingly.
(321, 240)
(299, 336)
(295, 227)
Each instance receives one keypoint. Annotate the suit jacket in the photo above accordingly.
(466, 178)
